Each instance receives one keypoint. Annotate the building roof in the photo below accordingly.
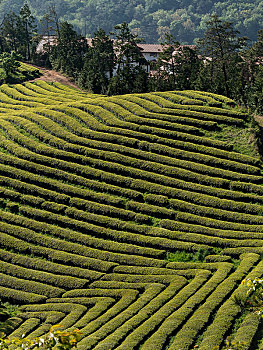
(151, 48)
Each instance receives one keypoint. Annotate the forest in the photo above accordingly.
(149, 19)
(222, 61)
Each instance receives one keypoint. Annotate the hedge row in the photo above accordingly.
(156, 147)
(247, 330)
(18, 197)
(99, 292)
(59, 88)
(55, 186)
(151, 210)
(95, 224)
(110, 322)
(124, 241)
(71, 312)
(214, 213)
(130, 111)
(185, 337)
(116, 309)
(153, 120)
(47, 86)
(176, 153)
(190, 190)
(183, 206)
(44, 266)
(162, 102)
(209, 99)
(115, 285)
(221, 98)
(134, 254)
(13, 323)
(162, 279)
(185, 121)
(130, 161)
(129, 332)
(55, 172)
(202, 235)
(65, 282)
(97, 307)
(204, 221)
(197, 152)
(179, 308)
(11, 107)
(67, 95)
(145, 331)
(137, 127)
(112, 178)
(22, 93)
(199, 107)
(173, 322)
(213, 266)
(22, 297)
(18, 96)
(57, 256)
(160, 99)
(144, 270)
(83, 204)
(30, 286)
(206, 200)
(100, 112)
(153, 107)
(211, 161)
(4, 98)
(72, 89)
(224, 317)
(179, 99)
(42, 91)
(56, 98)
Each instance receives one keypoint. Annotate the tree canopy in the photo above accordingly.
(150, 19)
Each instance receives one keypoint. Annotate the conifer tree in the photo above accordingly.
(98, 64)
(130, 74)
(68, 55)
(221, 46)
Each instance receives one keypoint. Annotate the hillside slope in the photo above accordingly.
(99, 194)
(149, 18)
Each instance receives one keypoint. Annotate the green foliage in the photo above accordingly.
(98, 64)
(9, 62)
(174, 71)
(253, 301)
(150, 18)
(61, 340)
(183, 256)
(130, 75)
(96, 190)
(221, 44)
(68, 55)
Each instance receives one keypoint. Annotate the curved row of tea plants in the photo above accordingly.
(100, 196)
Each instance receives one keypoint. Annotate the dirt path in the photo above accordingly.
(53, 76)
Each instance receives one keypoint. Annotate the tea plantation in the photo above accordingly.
(127, 218)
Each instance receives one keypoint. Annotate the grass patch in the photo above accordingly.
(244, 139)
(181, 255)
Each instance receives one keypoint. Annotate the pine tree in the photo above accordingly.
(129, 63)
(28, 27)
(68, 55)
(221, 46)
(98, 64)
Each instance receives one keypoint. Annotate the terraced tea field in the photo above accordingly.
(99, 194)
